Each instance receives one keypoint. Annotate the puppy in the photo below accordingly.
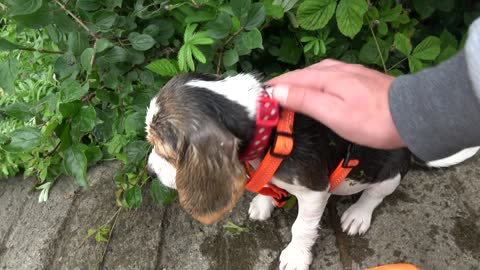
(199, 124)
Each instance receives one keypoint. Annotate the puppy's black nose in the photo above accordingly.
(151, 172)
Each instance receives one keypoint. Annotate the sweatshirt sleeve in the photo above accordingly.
(437, 111)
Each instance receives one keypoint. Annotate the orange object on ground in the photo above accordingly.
(397, 266)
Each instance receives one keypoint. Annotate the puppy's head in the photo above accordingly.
(197, 124)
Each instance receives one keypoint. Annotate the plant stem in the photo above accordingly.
(41, 50)
(54, 150)
(104, 224)
(378, 47)
(102, 259)
(398, 63)
(80, 22)
(222, 49)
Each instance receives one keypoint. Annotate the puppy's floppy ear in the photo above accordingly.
(210, 178)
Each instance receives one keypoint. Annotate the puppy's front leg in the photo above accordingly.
(298, 253)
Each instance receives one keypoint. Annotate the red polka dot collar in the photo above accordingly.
(267, 118)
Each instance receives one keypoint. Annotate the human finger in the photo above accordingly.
(321, 106)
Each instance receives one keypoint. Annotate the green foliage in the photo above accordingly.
(77, 76)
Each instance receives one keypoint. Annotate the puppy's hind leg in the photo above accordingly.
(297, 255)
(358, 216)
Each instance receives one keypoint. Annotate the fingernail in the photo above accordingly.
(280, 93)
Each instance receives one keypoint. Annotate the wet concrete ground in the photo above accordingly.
(431, 220)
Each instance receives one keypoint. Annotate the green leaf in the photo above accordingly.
(290, 50)
(274, 10)
(70, 109)
(164, 67)
(220, 27)
(446, 53)
(189, 56)
(182, 58)
(90, 232)
(141, 42)
(71, 90)
(315, 14)
(39, 18)
(240, 7)
(133, 197)
(234, 228)
(104, 20)
(162, 194)
(428, 49)
(75, 164)
(286, 4)
(188, 34)
(255, 17)
(85, 120)
(24, 139)
(86, 59)
(102, 45)
(136, 151)
(102, 234)
(6, 45)
(200, 40)
(198, 54)
(77, 42)
(247, 41)
(200, 16)
(23, 7)
(166, 30)
(403, 44)
(448, 39)
(369, 52)
(116, 55)
(350, 16)
(424, 7)
(19, 110)
(290, 202)
(88, 5)
(134, 123)
(9, 70)
(230, 57)
(414, 64)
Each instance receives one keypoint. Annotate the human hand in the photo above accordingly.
(350, 99)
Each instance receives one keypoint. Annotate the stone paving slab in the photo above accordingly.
(432, 220)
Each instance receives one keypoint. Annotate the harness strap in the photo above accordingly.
(281, 148)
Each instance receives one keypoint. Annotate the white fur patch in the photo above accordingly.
(261, 207)
(152, 110)
(455, 158)
(357, 218)
(311, 204)
(165, 172)
(243, 89)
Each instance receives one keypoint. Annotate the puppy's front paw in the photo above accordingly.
(295, 258)
(356, 219)
(261, 207)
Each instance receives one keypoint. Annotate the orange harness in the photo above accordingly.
(281, 148)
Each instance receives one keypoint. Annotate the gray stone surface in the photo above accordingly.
(431, 220)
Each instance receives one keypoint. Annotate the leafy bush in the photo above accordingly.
(77, 75)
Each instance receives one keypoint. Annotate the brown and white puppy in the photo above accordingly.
(198, 124)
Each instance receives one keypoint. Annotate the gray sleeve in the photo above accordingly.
(437, 111)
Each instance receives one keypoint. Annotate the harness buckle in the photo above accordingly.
(348, 162)
(284, 151)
